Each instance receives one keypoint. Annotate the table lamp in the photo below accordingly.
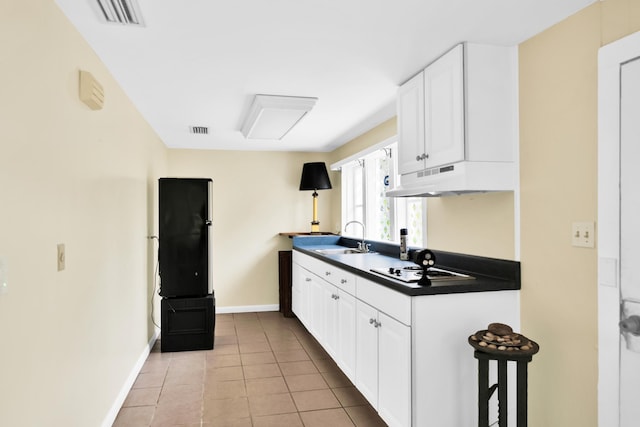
(315, 177)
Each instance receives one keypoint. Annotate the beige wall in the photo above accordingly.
(476, 224)
(255, 197)
(68, 340)
(558, 147)
(379, 133)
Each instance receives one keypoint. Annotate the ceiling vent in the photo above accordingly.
(199, 130)
(125, 12)
(272, 117)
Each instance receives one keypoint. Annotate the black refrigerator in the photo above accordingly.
(188, 301)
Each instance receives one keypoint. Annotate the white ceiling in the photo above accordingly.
(200, 62)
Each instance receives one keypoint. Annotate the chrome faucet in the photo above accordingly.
(362, 246)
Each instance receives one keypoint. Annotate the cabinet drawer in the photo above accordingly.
(334, 275)
(384, 299)
(306, 261)
(340, 278)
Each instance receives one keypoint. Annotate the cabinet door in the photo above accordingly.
(331, 325)
(367, 352)
(299, 292)
(444, 109)
(346, 325)
(394, 377)
(316, 307)
(411, 125)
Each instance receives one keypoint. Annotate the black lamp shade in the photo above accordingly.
(315, 177)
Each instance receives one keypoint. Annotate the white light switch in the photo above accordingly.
(583, 234)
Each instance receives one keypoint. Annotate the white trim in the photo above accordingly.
(360, 154)
(610, 59)
(247, 308)
(110, 418)
(516, 159)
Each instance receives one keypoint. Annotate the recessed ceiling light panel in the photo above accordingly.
(272, 117)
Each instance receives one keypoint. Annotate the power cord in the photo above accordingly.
(155, 284)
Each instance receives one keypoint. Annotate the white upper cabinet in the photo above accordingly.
(411, 124)
(462, 107)
(444, 110)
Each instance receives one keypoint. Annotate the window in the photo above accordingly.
(365, 181)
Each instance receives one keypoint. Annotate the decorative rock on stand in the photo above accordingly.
(498, 342)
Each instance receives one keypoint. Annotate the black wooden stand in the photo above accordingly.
(485, 392)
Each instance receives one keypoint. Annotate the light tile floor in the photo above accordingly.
(265, 370)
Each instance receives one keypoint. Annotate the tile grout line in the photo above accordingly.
(271, 331)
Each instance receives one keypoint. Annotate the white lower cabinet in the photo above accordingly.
(331, 325)
(408, 356)
(346, 326)
(367, 352)
(383, 364)
(340, 332)
(316, 296)
(372, 348)
(328, 312)
(394, 374)
(299, 292)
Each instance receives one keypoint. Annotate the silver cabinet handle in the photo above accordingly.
(418, 158)
(371, 321)
(337, 297)
(343, 281)
(378, 324)
(327, 273)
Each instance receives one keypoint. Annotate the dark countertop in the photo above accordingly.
(490, 274)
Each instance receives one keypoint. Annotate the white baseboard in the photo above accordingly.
(247, 308)
(110, 418)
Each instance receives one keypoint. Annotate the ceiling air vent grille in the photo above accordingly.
(125, 12)
(199, 130)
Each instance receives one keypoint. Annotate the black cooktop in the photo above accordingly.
(415, 274)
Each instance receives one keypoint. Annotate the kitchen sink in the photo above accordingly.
(341, 251)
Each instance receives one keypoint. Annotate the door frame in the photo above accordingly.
(610, 60)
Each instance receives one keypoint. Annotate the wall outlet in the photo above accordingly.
(583, 234)
(61, 257)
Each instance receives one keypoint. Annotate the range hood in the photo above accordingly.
(457, 178)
